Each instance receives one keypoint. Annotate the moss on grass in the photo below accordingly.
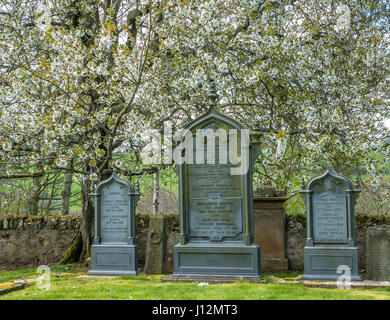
(7, 285)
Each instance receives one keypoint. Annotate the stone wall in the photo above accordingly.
(34, 240)
(296, 237)
(363, 223)
(31, 241)
(296, 240)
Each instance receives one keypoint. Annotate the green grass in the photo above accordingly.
(25, 273)
(15, 274)
(286, 275)
(66, 285)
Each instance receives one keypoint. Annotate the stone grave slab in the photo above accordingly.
(114, 251)
(330, 250)
(378, 253)
(216, 209)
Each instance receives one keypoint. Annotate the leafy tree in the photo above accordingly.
(80, 80)
(312, 76)
(71, 79)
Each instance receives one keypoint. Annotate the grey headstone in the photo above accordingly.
(378, 253)
(114, 251)
(216, 214)
(330, 201)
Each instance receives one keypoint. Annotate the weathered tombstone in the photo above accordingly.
(378, 253)
(114, 251)
(270, 228)
(330, 250)
(216, 208)
(156, 258)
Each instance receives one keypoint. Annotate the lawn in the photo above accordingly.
(66, 283)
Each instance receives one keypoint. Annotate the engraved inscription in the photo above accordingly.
(114, 213)
(379, 268)
(214, 195)
(378, 254)
(330, 219)
(215, 218)
(205, 179)
(214, 202)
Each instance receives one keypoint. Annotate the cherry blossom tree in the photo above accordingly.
(80, 80)
(312, 76)
(71, 77)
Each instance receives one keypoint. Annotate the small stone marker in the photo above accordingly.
(156, 260)
(114, 251)
(378, 253)
(330, 247)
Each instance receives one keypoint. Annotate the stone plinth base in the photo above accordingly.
(221, 260)
(321, 263)
(208, 279)
(113, 260)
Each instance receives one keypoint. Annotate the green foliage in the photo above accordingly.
(85, 86)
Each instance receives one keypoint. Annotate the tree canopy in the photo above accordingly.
(80, 80)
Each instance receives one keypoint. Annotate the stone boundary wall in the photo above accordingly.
(31, 241)
(27, 241)
(296, 237)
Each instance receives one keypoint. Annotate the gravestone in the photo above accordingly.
(216, 209)
(330, 245)
(114, 251)
(378, 253)
(270, 228)
(156, 258)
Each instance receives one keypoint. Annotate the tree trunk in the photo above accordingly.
(80, 249)
(86, 224)
(66, 192)
(72, 254)
(156, 192)
(33, 203)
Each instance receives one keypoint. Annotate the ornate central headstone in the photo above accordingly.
(216, 214)
(330, 250)
(114, 251)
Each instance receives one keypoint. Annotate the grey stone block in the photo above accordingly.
(113, 260)
(217, 260)
(321, 263)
